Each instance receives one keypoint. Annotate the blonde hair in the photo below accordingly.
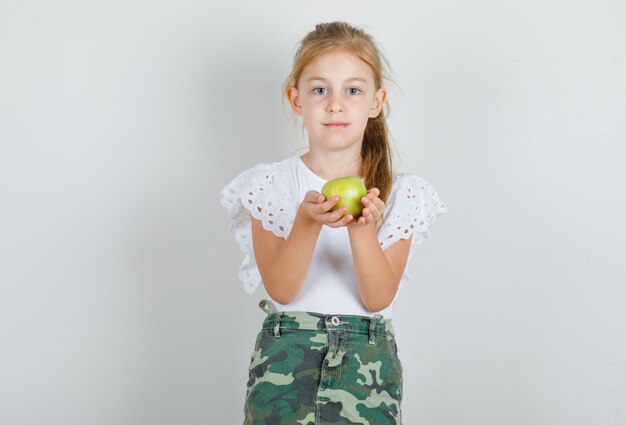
(340, 36)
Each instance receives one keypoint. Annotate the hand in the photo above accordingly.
(317, 209)
(373, 209)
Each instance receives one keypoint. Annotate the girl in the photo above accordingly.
(326, 352)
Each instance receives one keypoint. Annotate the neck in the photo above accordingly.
(332, 165)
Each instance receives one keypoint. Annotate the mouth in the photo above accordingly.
(336, 124)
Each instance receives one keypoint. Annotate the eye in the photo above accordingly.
(354, 88)
(318, 88)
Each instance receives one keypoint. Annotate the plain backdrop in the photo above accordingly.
(120, 121)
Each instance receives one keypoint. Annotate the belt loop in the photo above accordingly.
(277, 325)
(373, 322)
(268, 307)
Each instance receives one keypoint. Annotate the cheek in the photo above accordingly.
(364, 106)
(313, 106)
(363, 118)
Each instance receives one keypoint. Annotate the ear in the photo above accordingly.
(294, 101)
(379, 100)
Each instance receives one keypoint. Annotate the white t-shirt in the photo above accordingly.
(272, 193)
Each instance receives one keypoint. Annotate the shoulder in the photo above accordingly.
(260, 178)
(264, 170)
(412, 207)
(413, 189)
(264, 192)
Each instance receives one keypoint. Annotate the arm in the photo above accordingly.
(378, 272)
(284, 263)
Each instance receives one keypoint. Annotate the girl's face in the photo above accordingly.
(337, 87)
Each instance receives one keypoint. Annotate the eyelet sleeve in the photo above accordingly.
(412, 207)
(258, 192)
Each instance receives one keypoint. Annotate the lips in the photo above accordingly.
(336, 124)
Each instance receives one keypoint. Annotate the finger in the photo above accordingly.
(370, 212)
(313, 196)
(320, 198)
(369, 199)
(369, 216)
(374, 192)
(337, 214)
(341, 221)
(376, 203)
(325, 206)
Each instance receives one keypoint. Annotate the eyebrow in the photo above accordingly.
(349, 79)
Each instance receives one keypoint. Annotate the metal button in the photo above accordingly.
(334, 320)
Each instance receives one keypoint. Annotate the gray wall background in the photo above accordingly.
(121, 121)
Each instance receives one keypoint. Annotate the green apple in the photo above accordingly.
(350, 191)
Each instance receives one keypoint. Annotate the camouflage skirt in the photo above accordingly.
(312, 368)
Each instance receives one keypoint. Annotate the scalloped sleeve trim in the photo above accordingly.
(413, 207)
(260, 192)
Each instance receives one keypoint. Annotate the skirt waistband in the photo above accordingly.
(305, 320)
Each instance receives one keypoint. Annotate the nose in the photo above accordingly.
(335, 104)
